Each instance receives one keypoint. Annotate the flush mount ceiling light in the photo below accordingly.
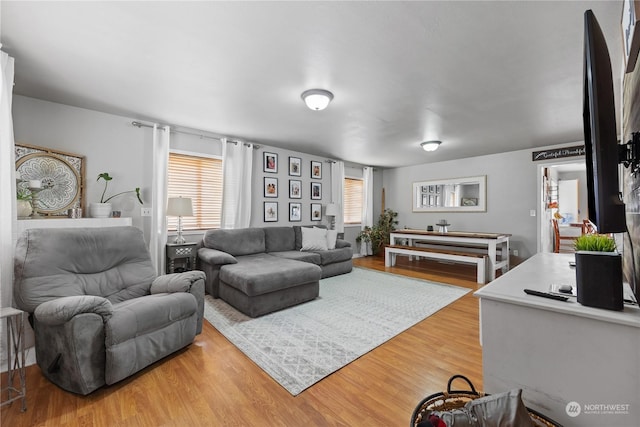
(430, 145)
(317, 99)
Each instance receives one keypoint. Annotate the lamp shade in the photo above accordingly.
(317, 99)
(179, 206)
(332, 209)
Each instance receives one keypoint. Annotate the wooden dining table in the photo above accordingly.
(493, 243)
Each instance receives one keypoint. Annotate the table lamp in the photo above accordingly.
(179, 206)
(332, 212)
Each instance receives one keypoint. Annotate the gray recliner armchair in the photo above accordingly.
(98, 310)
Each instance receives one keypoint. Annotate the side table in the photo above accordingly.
(15, 346)
(186, 252)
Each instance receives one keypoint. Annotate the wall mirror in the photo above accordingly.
(451, 195)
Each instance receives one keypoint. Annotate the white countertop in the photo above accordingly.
(539, 273)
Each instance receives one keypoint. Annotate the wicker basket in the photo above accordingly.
(456, 399)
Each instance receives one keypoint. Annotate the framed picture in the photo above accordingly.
(270, 162)
(270, 187)
(61, 176)
(316, 211)
(295, 212)
(316, 191)
(316, 169)
(270, 211)
(295, 166)
(630, 33)
(469, 201)
(295, 189)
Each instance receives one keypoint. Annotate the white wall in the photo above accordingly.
(511, 194)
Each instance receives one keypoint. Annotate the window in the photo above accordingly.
(353, 191)
(200, 178)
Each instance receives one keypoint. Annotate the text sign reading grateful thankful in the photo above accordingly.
(558, 153)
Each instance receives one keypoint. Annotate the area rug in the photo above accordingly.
(354, 314)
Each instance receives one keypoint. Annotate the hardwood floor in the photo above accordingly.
(212, 383)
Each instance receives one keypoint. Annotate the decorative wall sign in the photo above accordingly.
(558, 153)
(61, 176)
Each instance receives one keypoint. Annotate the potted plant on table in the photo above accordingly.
(379, 234)
(103, 208)
(24, 205)
(598, 272)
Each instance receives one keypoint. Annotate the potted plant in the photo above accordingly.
(379, 234)
(103, 208)
(598, 272)
(23, 206)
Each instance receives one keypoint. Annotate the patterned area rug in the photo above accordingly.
(354, 314)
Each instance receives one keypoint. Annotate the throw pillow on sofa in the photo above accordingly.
(314, 239)
(332, 236)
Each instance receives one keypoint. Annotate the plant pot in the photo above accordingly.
(23, 208)
(599, 279)
(100, 210)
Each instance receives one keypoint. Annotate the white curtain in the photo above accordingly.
(367, 207)
(158, 240)
(237, 163)
(8, 221)
(337, 191)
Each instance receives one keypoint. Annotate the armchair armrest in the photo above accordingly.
(176, 282)
(342, 244)
(60, 310)
(215, 257)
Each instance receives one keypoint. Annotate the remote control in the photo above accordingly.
(546, 295)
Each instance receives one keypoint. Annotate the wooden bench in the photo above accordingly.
(480, 260)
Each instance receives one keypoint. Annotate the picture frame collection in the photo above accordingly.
(271, 190)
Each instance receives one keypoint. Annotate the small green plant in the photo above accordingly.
(378, 235)
(595, 243)
(107, 178)
(24, 194)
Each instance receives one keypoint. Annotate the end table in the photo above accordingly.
(181, 251)
(15, 346)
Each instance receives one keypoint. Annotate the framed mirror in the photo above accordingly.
(451, 195)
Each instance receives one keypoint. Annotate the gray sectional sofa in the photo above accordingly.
(261, 270)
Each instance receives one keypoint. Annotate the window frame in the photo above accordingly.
(173, 230)
(344, 199)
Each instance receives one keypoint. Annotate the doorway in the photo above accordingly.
(563, 196)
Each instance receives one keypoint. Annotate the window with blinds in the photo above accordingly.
(353, 190)
(199, 178)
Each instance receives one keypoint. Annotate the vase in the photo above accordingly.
(100, 210)
(23, 207)
(599, 279)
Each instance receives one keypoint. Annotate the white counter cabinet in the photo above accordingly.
(578, 365)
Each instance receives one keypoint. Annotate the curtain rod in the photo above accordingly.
(143, 125)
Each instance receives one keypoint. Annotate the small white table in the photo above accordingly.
(491, 241)
(15, 346)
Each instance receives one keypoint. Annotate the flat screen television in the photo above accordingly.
(606, 209)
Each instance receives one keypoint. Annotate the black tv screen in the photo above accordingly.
(606, 209)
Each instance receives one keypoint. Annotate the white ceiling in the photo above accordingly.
(483, 77)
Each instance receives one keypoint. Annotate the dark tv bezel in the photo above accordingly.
(606, 209)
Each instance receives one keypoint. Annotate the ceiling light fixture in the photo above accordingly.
(430, 145)
(317, 99)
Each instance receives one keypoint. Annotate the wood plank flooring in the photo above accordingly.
(212, 383)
